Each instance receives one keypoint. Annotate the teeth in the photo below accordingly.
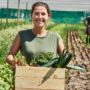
(39, 21)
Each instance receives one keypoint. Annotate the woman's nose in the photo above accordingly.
(40, 16)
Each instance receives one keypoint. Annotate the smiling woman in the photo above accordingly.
(37, 40)
(40, 16)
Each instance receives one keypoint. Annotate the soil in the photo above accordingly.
(78, 80)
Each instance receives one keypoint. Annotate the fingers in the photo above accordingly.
(13, 66)
(17, 63)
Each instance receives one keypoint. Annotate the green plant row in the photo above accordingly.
(6, 39)
(11, 23)
(6, 77)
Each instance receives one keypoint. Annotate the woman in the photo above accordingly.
(36, 40)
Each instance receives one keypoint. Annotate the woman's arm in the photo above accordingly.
(14, 49)
(60, 46)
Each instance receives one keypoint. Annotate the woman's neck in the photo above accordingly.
(39, 31)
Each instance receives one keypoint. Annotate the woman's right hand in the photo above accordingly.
(17, 63)
(16, 46)
(13, 66)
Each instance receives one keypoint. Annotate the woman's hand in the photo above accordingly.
(16, 46)
(16, 63)
(13, 66)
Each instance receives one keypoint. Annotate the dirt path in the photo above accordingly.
(77, 80)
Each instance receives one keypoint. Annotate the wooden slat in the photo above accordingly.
(39, 83)
(40, 72)
(35, 89)
(37, 78)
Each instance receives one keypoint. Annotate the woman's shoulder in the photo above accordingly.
(24, 31)
(54, 34)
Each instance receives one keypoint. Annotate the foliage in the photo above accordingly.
(70, 27)
(6, 39)
(11, 23)
(42, 58)
(6, 77)
(62, 62)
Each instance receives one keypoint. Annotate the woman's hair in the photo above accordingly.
(41, 4)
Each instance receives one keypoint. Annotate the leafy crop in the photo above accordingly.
(6, 39)
(7, 36)
(42, 58)
(11, 23)
(6, 77)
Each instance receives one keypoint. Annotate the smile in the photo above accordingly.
(40, 21)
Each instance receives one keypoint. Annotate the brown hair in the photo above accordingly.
(41, 4)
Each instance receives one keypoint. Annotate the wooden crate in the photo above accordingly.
(38, 78)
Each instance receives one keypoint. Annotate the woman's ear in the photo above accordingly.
(49, 15)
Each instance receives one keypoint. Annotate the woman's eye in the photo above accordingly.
(43, 13)
(39, 13)
(36, 13)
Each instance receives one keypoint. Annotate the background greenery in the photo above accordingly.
(57, 16)
(7, 35)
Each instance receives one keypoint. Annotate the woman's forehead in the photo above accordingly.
(40, 8)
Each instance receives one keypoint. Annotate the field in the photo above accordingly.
(74, 40)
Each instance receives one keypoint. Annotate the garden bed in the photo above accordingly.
(77, 80)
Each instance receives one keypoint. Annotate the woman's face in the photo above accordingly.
(40, 16)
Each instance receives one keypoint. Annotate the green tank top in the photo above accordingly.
(32, 45)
